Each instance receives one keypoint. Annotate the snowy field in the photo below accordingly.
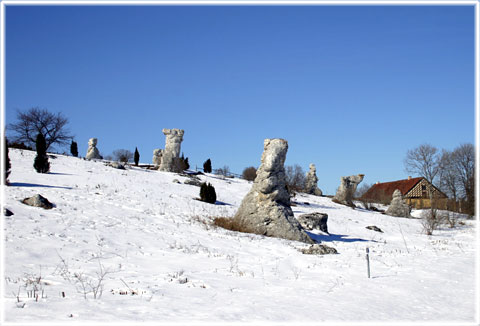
(148, 249)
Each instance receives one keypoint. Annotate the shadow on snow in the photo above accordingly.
(33, 185)
(335, 237)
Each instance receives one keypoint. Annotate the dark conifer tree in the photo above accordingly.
(207, 166)
(74, 148)
(207, 193)
(7, 161)
(41, 163)
(136, 157)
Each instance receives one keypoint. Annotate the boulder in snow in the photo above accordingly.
(314, 221)
(318, 249)
(374, 228)
(38, 201)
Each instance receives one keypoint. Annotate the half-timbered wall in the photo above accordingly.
(421, 190)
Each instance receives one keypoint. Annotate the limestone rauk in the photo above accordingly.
(167, 159)
(398, 207)
(92, 151)
(266, 208)
(348, 186)
(311, 180)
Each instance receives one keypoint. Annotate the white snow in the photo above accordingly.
(167, 263)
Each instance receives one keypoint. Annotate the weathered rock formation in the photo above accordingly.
(397, 206)
(348, 186)
(157, 157)
(266, 208)
(38, 201)
(374, 228)
(314, 221)
(171, 153)
(92, 151)
(311, 180)
(116, 165)
(318, 249)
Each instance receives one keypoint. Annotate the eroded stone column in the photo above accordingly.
(171, 153)
(398, 207)
(266, 208)
(346, 191)
(92, 151)
(311, 180)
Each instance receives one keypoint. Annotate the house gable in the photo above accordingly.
(420, 190)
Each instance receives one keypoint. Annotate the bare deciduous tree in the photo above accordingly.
(295, 178)
(34, 121)
(225, 171)
(448, 175)
(424, 161)
(122, 155)
(464, 161)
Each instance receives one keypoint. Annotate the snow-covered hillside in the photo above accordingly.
(166, 263)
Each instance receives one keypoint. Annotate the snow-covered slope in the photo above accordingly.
(165, 262)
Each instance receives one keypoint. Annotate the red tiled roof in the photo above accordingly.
(387, 188)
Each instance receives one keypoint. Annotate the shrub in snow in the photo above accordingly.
(207, 193)
(41, 163)
(430, 221)
(181, 164)
(249, 173)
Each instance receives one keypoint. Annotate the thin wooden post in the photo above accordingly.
(368, 262)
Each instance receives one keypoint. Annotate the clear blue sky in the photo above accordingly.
(351, 88)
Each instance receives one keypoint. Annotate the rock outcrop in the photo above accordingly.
(171, 153)
(398, 207)
(318, 249)
(157, 157)
(348, 186)
(38, 201)
(311, 180)
(92, 151)
(266, 208)
(374, 228)
(314, 221)
(116, 165)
